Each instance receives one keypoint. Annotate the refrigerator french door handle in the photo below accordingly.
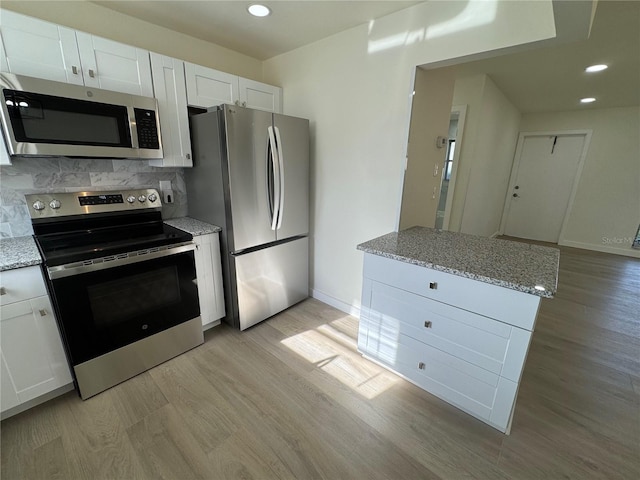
(276, 178)
(281, 168)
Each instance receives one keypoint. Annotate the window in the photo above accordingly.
(448, 165)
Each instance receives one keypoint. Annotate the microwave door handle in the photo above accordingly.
(276, 179)
(281, 171)
(133, 131)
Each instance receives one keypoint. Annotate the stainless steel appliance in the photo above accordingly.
(251, 177)
(46, 118)
(122, 283)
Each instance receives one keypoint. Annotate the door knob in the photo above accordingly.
(516, 195)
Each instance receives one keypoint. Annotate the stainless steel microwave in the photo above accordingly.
(46, 118)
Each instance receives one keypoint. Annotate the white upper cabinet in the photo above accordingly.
(170, 91)
(260, 95)
(207, 87)
(39, 49)
(5, 159)
(114, 66)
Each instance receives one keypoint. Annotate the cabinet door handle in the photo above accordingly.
(43, 312)
(3, 291)
(433, 285)
(428, 324)
(188, 156)
(74, 69)
(92, 74)
(421, 366)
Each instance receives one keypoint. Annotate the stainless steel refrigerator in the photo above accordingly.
(251, 177)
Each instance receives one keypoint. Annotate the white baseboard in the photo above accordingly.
(334, 302)
(627, 252)
(496, 234)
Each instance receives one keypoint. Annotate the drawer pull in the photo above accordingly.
(43, 312)
(421, 365)
(433, 285)
(3, 291)
(428, 324)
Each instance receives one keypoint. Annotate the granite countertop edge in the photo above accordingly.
(18, 252)
(192, 226)
(521, 287)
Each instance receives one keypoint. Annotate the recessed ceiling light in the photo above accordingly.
(587, 100)
(595, 68)
(258, 10)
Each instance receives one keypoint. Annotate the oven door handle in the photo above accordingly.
(78, 268)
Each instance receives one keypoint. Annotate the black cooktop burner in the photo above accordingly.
(88, 234)
(60, 249)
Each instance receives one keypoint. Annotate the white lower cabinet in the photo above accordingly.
(461, 355)
(209, 272)
(33, 362)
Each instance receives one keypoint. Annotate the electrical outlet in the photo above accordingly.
(167, 191)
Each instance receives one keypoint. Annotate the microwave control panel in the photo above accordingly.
(147, 128)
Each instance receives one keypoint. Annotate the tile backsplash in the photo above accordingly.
(35, 175)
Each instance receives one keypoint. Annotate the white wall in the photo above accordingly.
(98, 20)
(606, 211)
(487, 157)
(355, 88)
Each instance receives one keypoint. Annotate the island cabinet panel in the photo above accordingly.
(507, 305)
(463, 340)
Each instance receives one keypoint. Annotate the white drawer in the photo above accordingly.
(476, 391)
(441, 374)
(504, 304)
(487, 343)
(21, 284)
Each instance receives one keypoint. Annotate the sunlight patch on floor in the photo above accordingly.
(334, 352)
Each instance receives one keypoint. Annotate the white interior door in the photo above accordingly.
(541, 189)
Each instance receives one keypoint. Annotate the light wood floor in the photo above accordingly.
(291, 398)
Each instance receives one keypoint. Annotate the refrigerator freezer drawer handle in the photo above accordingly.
(276, 178)
(281, 165)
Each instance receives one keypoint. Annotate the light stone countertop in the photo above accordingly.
(515, 265)
(192, 226)
(18, 252)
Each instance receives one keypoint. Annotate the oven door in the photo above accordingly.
(110, 304)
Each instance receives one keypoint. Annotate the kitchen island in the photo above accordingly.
(454, 313)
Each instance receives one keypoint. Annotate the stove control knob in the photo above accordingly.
(55, 204)
(131, 199)
(153, 197)
(38, 205)
(142, 198)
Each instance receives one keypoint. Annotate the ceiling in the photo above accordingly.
(553, 78)
(544, 79)
(291, 24)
